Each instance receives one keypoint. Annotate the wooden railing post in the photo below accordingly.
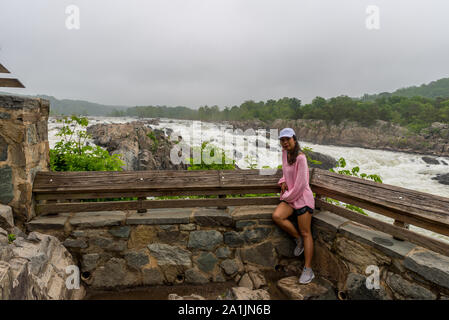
(140, 199)
(400, 224)
(221, 196)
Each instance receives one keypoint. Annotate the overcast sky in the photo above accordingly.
(223, 52)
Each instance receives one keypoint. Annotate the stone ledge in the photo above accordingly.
(161, 216)
(251, 212)
(377, 239)
(47, 222)
(211, 217)
(328, 220)
(97, 219)
(430, 265)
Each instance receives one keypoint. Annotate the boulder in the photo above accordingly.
(356, 289)
(174, 296)
(6, 217)
(242, 293)
(315, 290)
(37, 268)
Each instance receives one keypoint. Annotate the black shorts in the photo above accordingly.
(298, 212)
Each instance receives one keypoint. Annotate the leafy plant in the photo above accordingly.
(341, 163)
(73, 153)
(11, 237)
(156, 142)
(224, 163)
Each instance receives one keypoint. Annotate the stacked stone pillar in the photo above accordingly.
(24, 150)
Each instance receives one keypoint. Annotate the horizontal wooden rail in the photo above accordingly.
(405, 234)
(421, 209)
(152, 204)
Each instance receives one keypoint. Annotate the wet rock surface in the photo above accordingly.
(141, 147)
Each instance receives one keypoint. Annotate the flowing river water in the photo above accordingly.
(395, 168)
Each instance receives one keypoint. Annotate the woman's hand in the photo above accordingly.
(283, 187)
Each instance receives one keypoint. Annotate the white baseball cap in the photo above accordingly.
(286, 132)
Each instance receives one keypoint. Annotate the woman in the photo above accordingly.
(296, 198)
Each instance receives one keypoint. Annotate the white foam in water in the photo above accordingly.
(395, 168)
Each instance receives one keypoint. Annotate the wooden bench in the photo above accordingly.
(55, 192)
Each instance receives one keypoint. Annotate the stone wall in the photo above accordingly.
(24, 150)
(203, 245)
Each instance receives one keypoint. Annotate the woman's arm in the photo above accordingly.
(281, 181)
(300, 182)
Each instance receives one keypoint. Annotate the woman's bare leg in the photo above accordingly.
(280, 215)
(304, 222)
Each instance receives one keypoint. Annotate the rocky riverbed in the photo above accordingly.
(383, 135)
(144, 148)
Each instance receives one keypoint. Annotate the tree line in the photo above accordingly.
(413, 112)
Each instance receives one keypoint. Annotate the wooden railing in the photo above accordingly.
(54, 190)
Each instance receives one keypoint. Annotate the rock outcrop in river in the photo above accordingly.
(141, 147)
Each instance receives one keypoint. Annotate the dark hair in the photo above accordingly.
(291, 156)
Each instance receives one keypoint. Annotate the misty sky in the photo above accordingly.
(223, 52)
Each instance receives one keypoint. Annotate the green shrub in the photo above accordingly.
(72, 153)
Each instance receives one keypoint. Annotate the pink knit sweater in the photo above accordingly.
(296, 176)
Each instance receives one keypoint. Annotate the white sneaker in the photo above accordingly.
(299, 247)
(307, 275)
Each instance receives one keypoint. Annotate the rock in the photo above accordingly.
(206, 261)
(113, 274)
(241, 224)
(36, 269)
(256, 234)
(442, 178)
(360, 255)
(137, 259)
(233, 239)
(196, 277)
(187, 227)
(75, 243)
(327, 162)
(223, 252)
(230, 266)
(140, 147)
(170, 255)
(257, 279)
(430, 265)
(6, 281)
(6, 217)
(285, 247)
(89, 261)
(120, 232)
(174, 296)
(152, 276)
(311, 291)
(205, 239)
(207, 217)
(6, 184)
(356, 289)
(245, 281)
(408, 289)
(242, 293)
(430, 160)
(262, 254)
(108, 243)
